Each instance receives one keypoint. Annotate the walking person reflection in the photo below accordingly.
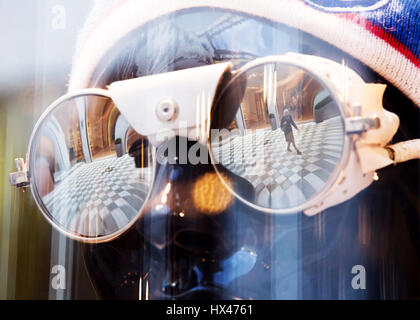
(286, 124)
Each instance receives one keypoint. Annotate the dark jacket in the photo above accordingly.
(286, 124)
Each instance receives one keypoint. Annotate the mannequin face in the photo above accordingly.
(199, 243)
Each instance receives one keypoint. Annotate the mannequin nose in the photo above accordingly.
(189, 205)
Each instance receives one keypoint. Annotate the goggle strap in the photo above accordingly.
(404, 151)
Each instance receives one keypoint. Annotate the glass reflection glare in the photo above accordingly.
(91, 171)
(286, 136)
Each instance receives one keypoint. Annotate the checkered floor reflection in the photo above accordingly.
(99, 198)
(281, 178)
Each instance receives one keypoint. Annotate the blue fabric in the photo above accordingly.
(399, 18)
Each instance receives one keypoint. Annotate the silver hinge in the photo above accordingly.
(19, 178)
(357, 125)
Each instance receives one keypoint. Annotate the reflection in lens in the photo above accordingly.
(88, 181)
(286, 137)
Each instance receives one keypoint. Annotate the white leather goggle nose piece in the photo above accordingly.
(174, 103)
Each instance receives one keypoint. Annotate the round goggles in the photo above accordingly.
(90, 172)
(306, 132)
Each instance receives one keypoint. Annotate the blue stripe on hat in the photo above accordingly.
(398, 18)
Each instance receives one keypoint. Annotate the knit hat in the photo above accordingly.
(383, 34)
